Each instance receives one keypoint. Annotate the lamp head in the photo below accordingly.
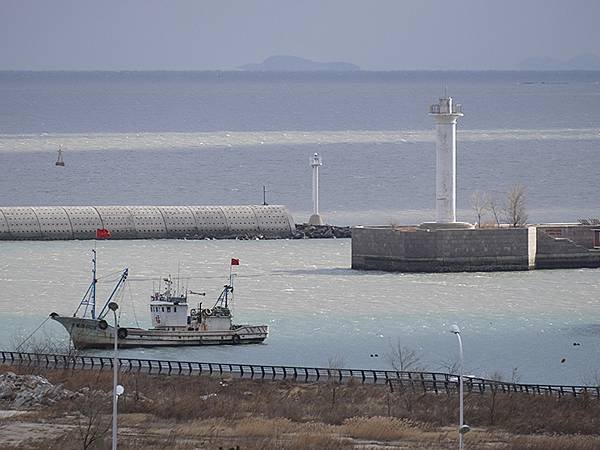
(464, 429)
(454, 329)
(113, 306)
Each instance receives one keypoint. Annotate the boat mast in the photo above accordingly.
(229, 288)
(94, 280)
(89, 298)
(94, 285)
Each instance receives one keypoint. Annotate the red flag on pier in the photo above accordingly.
(102, 233)
(235, 262)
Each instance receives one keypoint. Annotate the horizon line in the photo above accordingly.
(289, 71)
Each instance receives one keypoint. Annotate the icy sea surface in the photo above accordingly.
(320, 310)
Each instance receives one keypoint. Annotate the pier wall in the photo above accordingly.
(566, 246)
(415, 250)
(144, 222)
(410, 249)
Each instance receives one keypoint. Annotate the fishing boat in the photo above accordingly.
(173, 322)
(60, 161)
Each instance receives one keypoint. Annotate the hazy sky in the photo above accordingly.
(224, 34)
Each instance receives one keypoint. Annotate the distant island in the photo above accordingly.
(587, 61)
(285, 63)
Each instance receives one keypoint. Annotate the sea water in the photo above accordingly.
(218, 138)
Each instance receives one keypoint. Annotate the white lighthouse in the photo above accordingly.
(446, 114)
(315, 163)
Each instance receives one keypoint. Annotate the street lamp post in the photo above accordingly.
(462, 428)
(116, 391)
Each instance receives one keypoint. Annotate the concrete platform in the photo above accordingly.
(415, 249)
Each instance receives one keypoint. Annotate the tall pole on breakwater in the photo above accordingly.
(446, 114)
(315, 163)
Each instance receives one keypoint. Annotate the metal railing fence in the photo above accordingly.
(433, 382)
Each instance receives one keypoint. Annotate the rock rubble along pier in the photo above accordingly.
(308, 231)
(145, 222)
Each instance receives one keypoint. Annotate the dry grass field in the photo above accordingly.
(182, 413)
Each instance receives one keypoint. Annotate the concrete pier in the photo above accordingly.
(413, 249)
(144, 222)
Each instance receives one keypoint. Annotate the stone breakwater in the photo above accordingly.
(30, 391)
(301, 231)
(306, 231)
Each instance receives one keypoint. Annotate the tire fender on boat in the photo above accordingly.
(122, 333)
(236, 339)
(208, 312)
(192, 312)
(103, 324)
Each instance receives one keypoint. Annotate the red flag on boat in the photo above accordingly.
(235, 262)
(102, 233)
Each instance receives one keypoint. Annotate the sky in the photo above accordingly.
(225, 34)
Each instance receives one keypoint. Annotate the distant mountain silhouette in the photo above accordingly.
(585, 61)
(285, 63)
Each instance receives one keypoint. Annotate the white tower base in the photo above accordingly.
(432, 226)
(316, 219)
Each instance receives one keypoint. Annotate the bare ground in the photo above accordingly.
(184, 413)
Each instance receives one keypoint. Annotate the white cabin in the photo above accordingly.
(169, 314)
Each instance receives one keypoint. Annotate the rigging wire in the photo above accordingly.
(34, 331)
(137, 324)
(199, 277)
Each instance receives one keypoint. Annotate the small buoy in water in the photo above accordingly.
(563, 360)
(60, 161)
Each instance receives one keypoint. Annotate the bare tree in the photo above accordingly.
(403, 358)
(480, 202)
(495, 209)
(335, 363)
(496, 388)
(450, 365)
(93, 418)
(495, 376)
(515, 209)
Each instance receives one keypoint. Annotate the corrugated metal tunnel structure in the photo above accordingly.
(144, 222)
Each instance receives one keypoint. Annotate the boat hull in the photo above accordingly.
(92, 333)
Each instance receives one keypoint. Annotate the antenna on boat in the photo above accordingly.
(178, 275)
(94, 285)
(89, 298)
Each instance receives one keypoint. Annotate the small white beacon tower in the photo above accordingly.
(315, 163)
(446, 115)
